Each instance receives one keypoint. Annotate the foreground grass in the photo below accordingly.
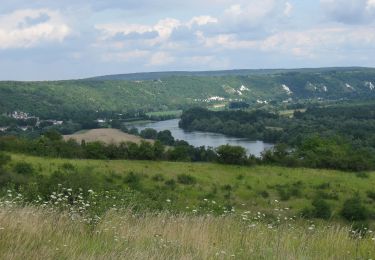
(44, 233)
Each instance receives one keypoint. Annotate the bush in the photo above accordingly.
(362, 175)
(149, 133)
(171, 184)
(228, 154)
(353, 210)
(165, 137)
(23, 168)
(157, 177)
(287, 191)
(361, 227)
(133, 131)
(133, 180)
(68, 167)
(186, 179)
(264, 194)
(226, 187)
(4, 159)
(321, 209)
(371, 195)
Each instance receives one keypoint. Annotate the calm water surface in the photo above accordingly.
(207, 139)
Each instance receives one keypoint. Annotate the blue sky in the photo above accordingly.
(50, 39)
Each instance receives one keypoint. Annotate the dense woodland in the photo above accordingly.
(341, 136)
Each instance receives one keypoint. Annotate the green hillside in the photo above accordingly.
(202, 187)
(179, 90)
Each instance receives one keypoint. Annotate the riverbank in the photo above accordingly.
(197, 138)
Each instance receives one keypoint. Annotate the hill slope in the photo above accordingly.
(245, 188)
(179, 90)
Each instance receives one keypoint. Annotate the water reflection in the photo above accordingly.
(197, 138)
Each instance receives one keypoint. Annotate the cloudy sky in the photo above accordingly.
(51, 39)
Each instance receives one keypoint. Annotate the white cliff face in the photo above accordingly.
(243, 88)
(287, 89)
(369, 85)
(216, 98)
(349, 86)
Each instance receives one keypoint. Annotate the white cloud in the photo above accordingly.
(202, 20)
(310, 43)
(125, 56)
(252, 12)
(320, 41)
(370, 5)
(29, 27)
(349, 11)
(288, 9)
(162, 28)
(160, 58)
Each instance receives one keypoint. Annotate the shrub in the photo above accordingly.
(362, 175)
(133, 180)
(186, 179)
(360, 227)
(68, 167)
(240, 177)
(287, 191)
(264, 194)
(171, 184)
(228, 154)
(353, 210)
(4, 159)
(157, 177)
(149, 133)
(328, 196)
(227, 187)
(371, 195)
(321, 209)
(323, 186)
(284, 194)
(23, 168)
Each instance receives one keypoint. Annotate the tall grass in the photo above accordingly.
(30, 232)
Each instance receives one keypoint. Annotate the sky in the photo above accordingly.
(69, 39)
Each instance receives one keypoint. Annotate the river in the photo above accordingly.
(197, 138)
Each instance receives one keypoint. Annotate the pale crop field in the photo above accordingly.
(106, 135)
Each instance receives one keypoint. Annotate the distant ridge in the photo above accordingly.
(218, 73)
(162, 91)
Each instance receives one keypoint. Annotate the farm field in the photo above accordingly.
(106, 135)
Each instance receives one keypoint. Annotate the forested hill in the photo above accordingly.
(220, 73)
(185, 89)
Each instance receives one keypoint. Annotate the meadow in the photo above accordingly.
(44, 233)
(213, 187)
(101, 209)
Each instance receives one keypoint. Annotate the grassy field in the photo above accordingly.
(290, 113)
(44, 233)
(182, 211)
(261, 188)
(175, 113)
(106, 135)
